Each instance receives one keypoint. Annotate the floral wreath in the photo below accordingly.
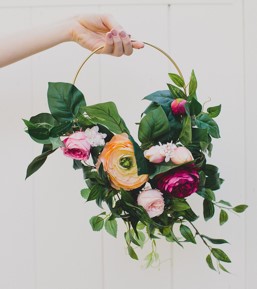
(147, 185)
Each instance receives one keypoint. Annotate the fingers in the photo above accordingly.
(119, 43)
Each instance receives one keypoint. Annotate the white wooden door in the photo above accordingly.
(46, 240)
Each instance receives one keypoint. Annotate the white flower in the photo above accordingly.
(94, 137)
(167, 150)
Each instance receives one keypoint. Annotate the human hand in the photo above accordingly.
(94, 30)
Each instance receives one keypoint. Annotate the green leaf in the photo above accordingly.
(161, 97)
(132, 253)
(153, 126)
(209, 262)
(215, 241)
(204, 121)
(107, 115)
(151, 258)
(187, 233)
(186, 133)
(225, 203)
(56, 142)
(142, 164)
(208, 209)
(96, 223)
(97, 192)
(223, 217)
(43, 120)
(223, 268)
(214, 111)
(85, 193)
(195, 107)
(189, 215)
(37, 163)
(207, 194)
(111, 227)
(60, 129)
(176, 92)
(192, 84)
(39, 134)
(64, 101)
(178, 80)
(240, 208)
(162, 168)
(220, 255)
(178, 205)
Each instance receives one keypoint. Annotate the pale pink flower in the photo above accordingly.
(154, 154)
(181, 155)
(152, 201)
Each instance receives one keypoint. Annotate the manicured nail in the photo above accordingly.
(123, 34)
(109, 35)
(114, 33)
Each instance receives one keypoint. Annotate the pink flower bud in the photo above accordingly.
(181, 155)
(178, 106)
(154, 154)
(152, 201)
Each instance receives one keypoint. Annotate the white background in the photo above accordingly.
(46, 241)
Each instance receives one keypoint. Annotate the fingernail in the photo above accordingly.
(109, 35)
(123, 34)
(114, 33)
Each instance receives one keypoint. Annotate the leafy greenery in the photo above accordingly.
(174, 119)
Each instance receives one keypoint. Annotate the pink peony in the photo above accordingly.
(76, 146)
(180, 182)
(152, 201)
(181, 155)
(154, 154)
(178, 106)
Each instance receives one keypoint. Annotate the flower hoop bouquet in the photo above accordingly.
(148, 184)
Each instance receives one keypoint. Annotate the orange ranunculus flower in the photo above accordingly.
(119, 163)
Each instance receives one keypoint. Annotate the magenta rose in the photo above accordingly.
(178, 106)
(76, 146)
(179, 183)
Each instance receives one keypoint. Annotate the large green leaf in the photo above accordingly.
(186, 133)
(161, 97)
(204, 121)
(37, 163)
(153, 126)
(60, 129)
(64, 101)
(107, 115)
(142, 163)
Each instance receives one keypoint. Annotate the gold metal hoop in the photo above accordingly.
(146, 43)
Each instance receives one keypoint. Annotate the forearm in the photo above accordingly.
(21, 45)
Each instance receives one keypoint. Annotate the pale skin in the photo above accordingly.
(89, 30)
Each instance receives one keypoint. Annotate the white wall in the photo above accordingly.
(46, 241)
